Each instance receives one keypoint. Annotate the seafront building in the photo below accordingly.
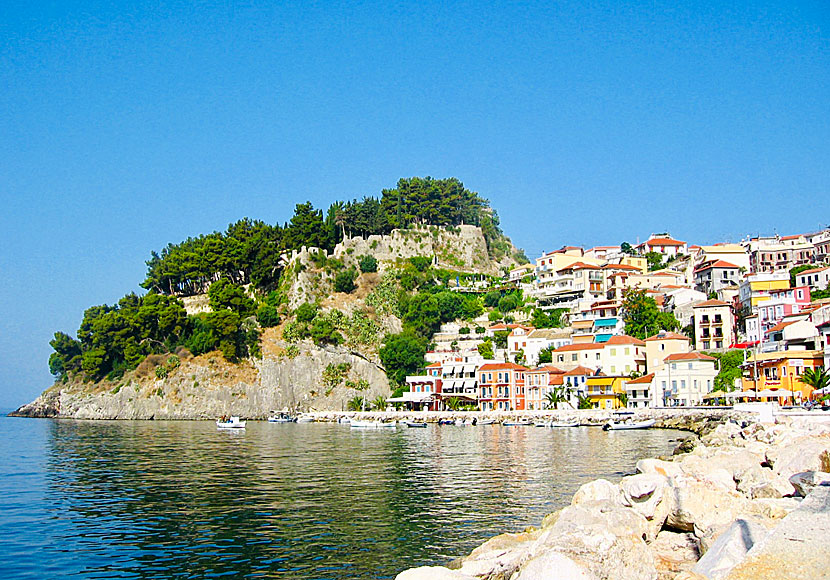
(592, 360)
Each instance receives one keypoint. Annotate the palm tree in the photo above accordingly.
(357, 403)
(555, 396)
(816, 378)
(379, 403)
(453, 404)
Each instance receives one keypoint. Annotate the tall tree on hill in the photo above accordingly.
(305, 228)
(639, 312)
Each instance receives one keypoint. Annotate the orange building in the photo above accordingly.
(774, 376)
(501, 387)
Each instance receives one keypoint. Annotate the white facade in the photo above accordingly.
(682, 382)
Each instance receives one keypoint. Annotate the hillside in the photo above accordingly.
(244, 350)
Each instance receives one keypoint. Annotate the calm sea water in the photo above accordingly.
(183, 500)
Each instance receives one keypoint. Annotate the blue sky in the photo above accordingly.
(128, 126)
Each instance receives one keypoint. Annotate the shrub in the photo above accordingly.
(267, 315)
(464, 330)
(344, 281)
(306, 312)
(368, 264)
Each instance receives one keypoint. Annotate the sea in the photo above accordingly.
(181, 499)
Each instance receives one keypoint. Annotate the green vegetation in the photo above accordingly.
(547, 318)
(797, 270)
(242, 271)
(642, 317)
(729, 363)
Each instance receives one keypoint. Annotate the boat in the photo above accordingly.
(466, 422)
(281, 418)
(629, 424)
(344, 420)
(305, 419)
(446, 422)
(415, 424)
(487, 422)
(517, 423)
(232, 422)
(355, 424)
(558, 424)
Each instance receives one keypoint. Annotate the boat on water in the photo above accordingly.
(466, 422)
(487, 422)
(446, 422)
(355, 424)
(305, 419)
(344, 420)
(518, 423)
(628, 424)
(232, 422)
(415, 424)
(281, 418)
(557, 424)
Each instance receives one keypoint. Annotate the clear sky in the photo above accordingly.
(125, 126)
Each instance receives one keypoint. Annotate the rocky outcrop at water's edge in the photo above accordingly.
(733, 508)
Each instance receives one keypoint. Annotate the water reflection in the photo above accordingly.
(183, 500)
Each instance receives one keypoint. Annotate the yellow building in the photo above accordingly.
(756, 288)
(604, 392)
(775, 375)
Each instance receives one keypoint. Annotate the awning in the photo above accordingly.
(605, 322)
(774, 394)
(744, 344)
(602, 337)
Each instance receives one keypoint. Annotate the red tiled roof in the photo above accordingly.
(579, 371)
(579, 346)
(813, 271)
(579, 266)
(781, 326)
(644, 380)
(547, 369)
(435, 364)
(710, 303)
(668, 336)
(715, 264)
(662, 242)
(621, 267)
(689, 356)
(497, 366)
(624, 339)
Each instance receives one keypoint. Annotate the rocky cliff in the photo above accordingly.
(207, 386)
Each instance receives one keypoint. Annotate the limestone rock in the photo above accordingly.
(600, 489)
(500, 556)
(660, 467)
(645, 494)
(702, 503)
(806, 481)
(432, 573)
(553, 565)
(603, 537)
(730, 548)
(799, 455)
(674, 553)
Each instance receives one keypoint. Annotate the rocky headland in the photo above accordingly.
(748, 500)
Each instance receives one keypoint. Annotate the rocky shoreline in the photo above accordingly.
(748, 500)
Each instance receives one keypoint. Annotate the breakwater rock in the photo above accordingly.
(733, 508)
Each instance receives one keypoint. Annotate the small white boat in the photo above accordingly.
(416, 424)
(521, 422)
(355, 424)
(562, 424)
(305, 419)
(281, 418)
(344, 420)
(487, 422)
(612, 426)
(232, 422)
(466, 422)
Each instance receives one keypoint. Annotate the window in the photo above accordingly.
(626, 350)
(613, 352)
(598, 356)
(574, 357)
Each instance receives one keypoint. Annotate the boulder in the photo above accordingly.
(799, 455)
(674, 553)
(660, 467)
(645, 494)
(730, 548)
(603, 537)
(597, 490)
(432, 573)
(553, 564)
(499, 556)
(806, 481)
(703, 504)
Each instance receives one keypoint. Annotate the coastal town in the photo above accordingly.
(764, 297)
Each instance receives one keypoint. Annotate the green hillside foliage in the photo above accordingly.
(240, 270)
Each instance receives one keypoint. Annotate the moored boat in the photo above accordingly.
(415, 424)
(281, 418)
(613, 426)
(232, 422)
(371, 424)
(518, 423)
